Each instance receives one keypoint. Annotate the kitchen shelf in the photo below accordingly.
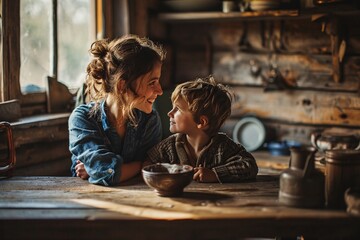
(218, 16)
(341, 10)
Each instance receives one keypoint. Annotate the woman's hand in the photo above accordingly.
(204, 175)
(80, 170)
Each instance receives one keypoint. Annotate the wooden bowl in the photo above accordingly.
(168, 180)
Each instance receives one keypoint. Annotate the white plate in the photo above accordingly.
(250, 132)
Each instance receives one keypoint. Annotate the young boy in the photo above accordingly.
(200, 107)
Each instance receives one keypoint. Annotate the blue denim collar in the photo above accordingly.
(104, 120)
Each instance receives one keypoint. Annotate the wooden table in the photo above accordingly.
(70, 208)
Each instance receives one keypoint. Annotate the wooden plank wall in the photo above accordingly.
(42, 147)
(249, 55)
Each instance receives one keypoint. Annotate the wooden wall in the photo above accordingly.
(42, 146)
(249, 56)
(281, 71)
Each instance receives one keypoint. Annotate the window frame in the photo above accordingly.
(10, 59)
(10, 50)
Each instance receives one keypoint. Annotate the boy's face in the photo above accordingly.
(181, 119)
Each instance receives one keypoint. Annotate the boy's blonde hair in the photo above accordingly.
(206, 97)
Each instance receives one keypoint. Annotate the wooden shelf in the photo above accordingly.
(218, 16)
(341, 10)
(338, 9)
(271, 164)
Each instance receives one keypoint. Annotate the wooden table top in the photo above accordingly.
(71, 208)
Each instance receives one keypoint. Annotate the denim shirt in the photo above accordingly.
(94, 142)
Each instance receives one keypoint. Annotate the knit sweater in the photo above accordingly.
(229, 160)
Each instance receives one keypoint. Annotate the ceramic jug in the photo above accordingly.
(328, 140)
(301, 185)
(7, 164)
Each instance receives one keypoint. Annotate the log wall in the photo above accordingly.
(41, 145)
(280, 71)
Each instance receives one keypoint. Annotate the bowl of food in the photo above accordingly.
(168, 180)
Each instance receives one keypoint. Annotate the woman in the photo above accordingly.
(109, 137)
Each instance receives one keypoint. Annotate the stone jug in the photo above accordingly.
(7, 164)
(301, 185)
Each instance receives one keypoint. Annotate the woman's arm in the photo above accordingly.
(128, 170)
(89, 145)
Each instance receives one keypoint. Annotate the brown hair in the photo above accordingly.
(206, 97)
(126, 58)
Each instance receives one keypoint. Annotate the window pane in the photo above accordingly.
(73, 41)
(34, 44)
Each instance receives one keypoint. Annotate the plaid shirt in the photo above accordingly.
(229, 160)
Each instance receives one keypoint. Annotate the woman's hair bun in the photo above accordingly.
(99, 48)
(97, 69)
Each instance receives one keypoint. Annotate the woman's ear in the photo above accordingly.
(203, 123)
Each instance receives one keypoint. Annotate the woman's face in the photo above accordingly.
(148, 88)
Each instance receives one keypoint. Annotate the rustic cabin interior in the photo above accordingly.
(293, 67)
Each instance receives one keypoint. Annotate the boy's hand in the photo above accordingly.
(80, 170)
(204, 175)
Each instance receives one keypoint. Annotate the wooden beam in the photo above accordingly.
(10, 39)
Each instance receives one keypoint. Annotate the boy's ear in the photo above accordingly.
(203, 123)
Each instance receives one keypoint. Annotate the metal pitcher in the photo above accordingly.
(301, 185)
(7, 164)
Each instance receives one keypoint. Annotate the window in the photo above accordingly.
(34, 44)
(73, 48)
(33, 47)
(73, 40)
